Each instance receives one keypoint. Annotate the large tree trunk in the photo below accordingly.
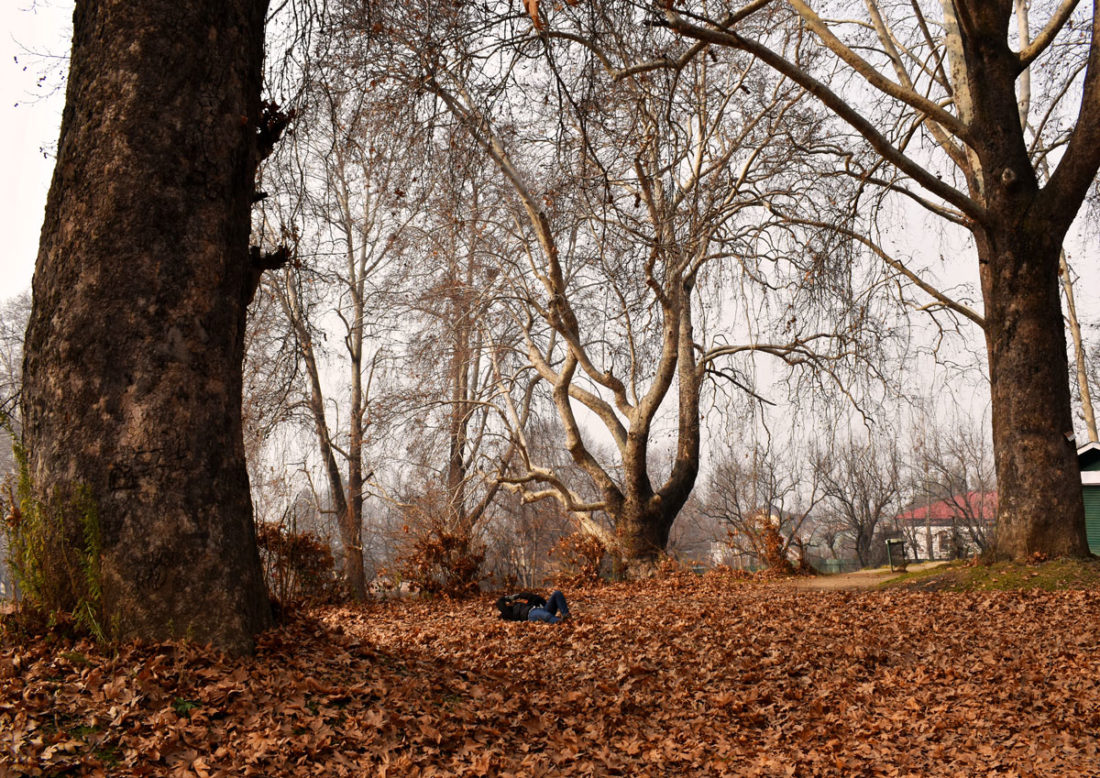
(135, 344)
(1040, 504)
(1040, 507)
(641, 530)
(1018, 226)
(643, 518)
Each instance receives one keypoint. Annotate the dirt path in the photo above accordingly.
(861, 579)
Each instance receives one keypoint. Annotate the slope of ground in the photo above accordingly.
(1053, 575)
(860, 579)
(678, 677)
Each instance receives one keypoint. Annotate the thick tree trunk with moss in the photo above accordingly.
(644, 518)
(134, 348)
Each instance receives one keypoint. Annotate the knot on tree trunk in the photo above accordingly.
(273, 123)
(259, 261)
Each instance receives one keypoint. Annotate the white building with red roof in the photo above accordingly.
(958, 526)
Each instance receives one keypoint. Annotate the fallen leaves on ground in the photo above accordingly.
(678, 677)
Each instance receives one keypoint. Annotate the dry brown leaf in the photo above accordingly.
(532, 8)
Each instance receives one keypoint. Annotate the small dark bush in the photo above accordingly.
(442, 562)
(298, 566)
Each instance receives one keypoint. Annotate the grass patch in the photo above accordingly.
(109, 754)
(83, 731)
(184, 707)
(1055, 575)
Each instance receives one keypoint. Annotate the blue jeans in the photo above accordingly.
(550, 612)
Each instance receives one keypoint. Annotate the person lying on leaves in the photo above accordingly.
(526, 606)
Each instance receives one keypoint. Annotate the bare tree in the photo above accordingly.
(953, 465)
(271, 374)
(696, 538)
(828, 534)
(861, 487)
(14, 313)
(449, 305)
(1080, 350)
(344, 201)
(644, 192)
(763, 503)
(967, 133)
(519, 539)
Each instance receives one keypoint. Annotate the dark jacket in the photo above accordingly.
(515, 607)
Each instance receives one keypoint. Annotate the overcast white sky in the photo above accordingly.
(33, 31)
(29, 120)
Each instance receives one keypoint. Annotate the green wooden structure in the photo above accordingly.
(1088, 459)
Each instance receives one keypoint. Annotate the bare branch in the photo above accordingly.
(840, 107)
(1043, 40)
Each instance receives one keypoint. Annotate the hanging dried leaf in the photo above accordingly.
(532, 7)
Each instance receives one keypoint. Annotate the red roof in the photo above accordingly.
(972, 504)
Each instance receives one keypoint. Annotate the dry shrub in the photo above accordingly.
(443, 563)
(298, 566)
(440, 557)
(671, 567)
(775, 556)
(675, 572)
(579, 556)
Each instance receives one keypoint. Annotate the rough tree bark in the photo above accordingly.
(135, 344)
(1040, 506)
